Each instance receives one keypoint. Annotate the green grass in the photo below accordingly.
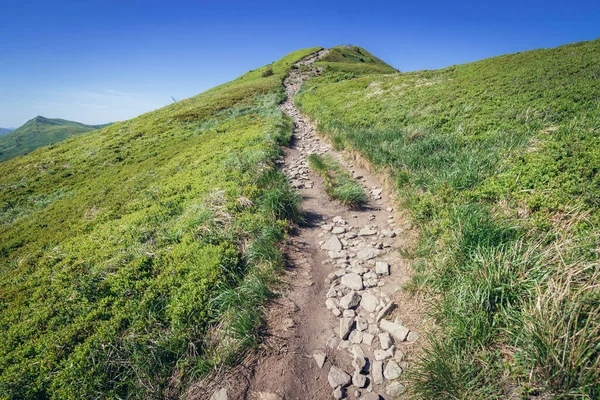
(136, 258)
(339, 185)
(497, 162)
(40, 132)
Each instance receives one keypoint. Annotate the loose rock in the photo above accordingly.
(337, 377)
(352, 281)
(398, 332)
(369, 302)
(351, 300)
(319, 357)
(333, 244)
(392, 370)
(377, 372)
(345, 327)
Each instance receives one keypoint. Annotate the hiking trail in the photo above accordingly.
(336, 331)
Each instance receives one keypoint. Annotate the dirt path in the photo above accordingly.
(324, 337)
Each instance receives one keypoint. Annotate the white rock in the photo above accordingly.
(377, 372)
(338, 394)
(352, 281)
(220, 394)
(367, 253)
(359, 362)
(367, 232)
(331, 303)
(351, 300)
(376, 192)
(392, 370)
(361, 324)
(370, 396)
(369, 302)
(338, 230)
(345, 327)
(381, 355)
(395, 389)
(349, 314)
(368, 338)
(385, 340)
(337, 377)
(385, 311)
(336, 311)
(398, 332)
(359, 380)
(319, 357)
(382, 268)
(355, 337)
(412, 337)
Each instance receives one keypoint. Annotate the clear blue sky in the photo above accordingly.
(100, 61)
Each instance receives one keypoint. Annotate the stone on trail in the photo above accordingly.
(338, 394)
(381, 355)
(392, 370)
(337, 377)
(352, 281)
(220, 394)
(331, 303)
(336, 311)
(367, 253)
(395, 389)
(376, 192)
(385, 311)
(349, 314)
(346, 327)
(361, 324)
(382, 268)
(351, 300)
(356, 337)
(369, 302)
(359, 362)
(333, 244)
(359, 380)
(412, 337)
(398, 332)
(319, 357)
(368, 338)
(377, 372)
(385, 340)
(367, 232)
(338, 230)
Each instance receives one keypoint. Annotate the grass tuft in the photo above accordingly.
(339, 184)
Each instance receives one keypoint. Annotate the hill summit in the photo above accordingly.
(40, 131)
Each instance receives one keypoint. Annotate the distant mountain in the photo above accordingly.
(4, 131)
(38, 132)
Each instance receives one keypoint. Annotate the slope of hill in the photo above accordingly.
(4, 131)
(38, 132)
(136, 257)
(497, 161)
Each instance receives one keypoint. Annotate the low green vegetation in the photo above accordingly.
(498, 162)
(339, 185)
(40, 132)
(137, 257)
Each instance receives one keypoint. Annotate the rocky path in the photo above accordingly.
(335, 333)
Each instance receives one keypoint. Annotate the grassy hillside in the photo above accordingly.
(498, 162)
(4, 131)
(39, 132)
(137, 257)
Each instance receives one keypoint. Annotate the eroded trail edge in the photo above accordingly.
(339, 330)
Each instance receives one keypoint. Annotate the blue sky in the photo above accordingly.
(100, 61)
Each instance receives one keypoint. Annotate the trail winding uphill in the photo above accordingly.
(341, 330)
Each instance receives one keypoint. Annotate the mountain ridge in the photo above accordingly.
(40, 131)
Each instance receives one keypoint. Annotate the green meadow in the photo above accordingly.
(498, 163)
(137, 257)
